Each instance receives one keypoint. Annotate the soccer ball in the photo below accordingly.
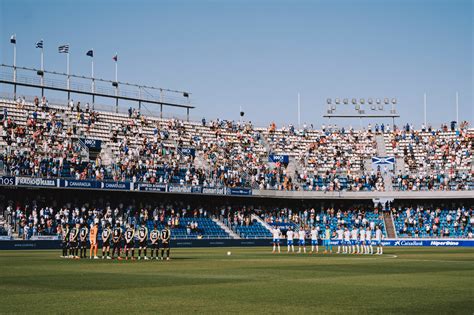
(229, 253)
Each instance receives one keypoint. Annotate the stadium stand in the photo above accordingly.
(419, 222)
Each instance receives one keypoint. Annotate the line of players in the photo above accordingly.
(355, 241)
(75, 241)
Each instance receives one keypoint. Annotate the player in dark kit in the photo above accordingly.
(73, 238)
(165, 242)
(116, 240)
(129, 241)
(142, 240)
(65, 237)
(155, 244)
(84, 231)
(106, 234)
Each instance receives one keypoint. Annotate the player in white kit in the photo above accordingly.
(378, 240)
(301, 239)
(362, 241)
(289, 240)
(346, 249)
(369, 249)
(340, 238)
(354, 240)
(276, 238)
(314, 239)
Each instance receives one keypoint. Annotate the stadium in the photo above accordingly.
(123, 196)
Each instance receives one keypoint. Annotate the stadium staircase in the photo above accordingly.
(231, 233)
(263, 223)
(382, 151)
(389, 225)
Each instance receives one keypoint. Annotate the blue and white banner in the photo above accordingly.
(72, 183)
(428, 242)
(188, 151)
(383, 160)
(150, 187)
(213, 190)
(7, 181)
(239, 191)
(279, 158)
(35, 181)
(116, 185)
(92, 143)
(185, 189)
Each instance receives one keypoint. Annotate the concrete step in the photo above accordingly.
(231, 233)
(265, 224)
(389, 225)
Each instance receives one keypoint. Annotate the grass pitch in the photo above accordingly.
(251, 280)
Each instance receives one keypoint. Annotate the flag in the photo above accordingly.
(90, 53)
(39, 44)
(13, 39)
(63, 49)
(383, 160)
(115, 58)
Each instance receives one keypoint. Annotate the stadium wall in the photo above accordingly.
(70, 184)
(409, 242)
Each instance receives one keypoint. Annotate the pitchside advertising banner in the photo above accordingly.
(8, 243)
(92, 184)
(37, 182)
(278, 158)
(150, 187)
(428, 242)
(7, 181)
(71, 183)
(239, 191)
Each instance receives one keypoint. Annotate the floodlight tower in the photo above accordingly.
(361, 108)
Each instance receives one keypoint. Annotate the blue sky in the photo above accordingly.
(259, 54)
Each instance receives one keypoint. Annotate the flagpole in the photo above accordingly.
(14, 67)
(42, 64)
(457, 108)
(424, 108)
(93, 82)
(68, 83)
(116, 82)
(299, 112)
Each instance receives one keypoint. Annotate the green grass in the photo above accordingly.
(251, 280)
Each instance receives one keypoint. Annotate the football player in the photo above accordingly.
(142, 241)
(84, 231)
(106, 234)
(301, 239)
(93, 239)
(314, 239)
(73, 234)
(116, 240)
(155, 244)
(165, 242)
(276, 233)
(65, 238)
(129, 242)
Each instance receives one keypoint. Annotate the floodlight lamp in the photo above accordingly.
(386, 100)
